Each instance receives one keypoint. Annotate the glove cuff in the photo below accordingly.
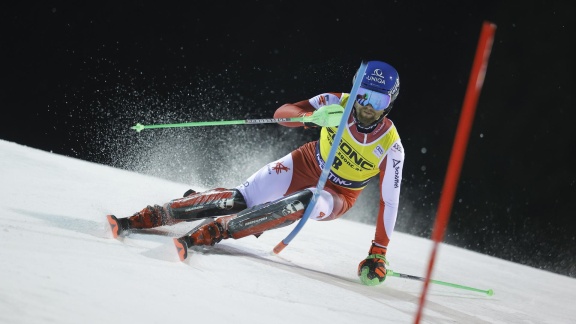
(306, 124)
(377, 249)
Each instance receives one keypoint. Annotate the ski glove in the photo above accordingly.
(372, 270)
(326, 116)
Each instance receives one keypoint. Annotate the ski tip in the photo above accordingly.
(181, 248)
(114, 226)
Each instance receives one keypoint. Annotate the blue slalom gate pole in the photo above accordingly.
(328, 165)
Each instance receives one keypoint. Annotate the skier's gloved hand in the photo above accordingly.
(326, 116)
(372, 270)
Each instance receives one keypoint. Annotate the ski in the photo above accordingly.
(119, 227)
(181, 248)
(115, 225)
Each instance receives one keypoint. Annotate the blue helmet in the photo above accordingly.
(383, 79)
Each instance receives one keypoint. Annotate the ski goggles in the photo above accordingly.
(378, 101)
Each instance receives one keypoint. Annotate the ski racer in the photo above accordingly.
(278, 194)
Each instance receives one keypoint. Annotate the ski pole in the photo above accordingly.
(389, 272)
(139, 127)
(327, 165)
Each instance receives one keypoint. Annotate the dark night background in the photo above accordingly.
(76, 76)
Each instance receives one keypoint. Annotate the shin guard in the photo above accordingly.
(212, 203)
(276, 214)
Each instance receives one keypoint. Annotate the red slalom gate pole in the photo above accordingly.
(459, 149)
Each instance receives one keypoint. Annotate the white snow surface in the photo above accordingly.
(59, 263)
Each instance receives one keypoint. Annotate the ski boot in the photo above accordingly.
(209, 233)
(149, 217)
